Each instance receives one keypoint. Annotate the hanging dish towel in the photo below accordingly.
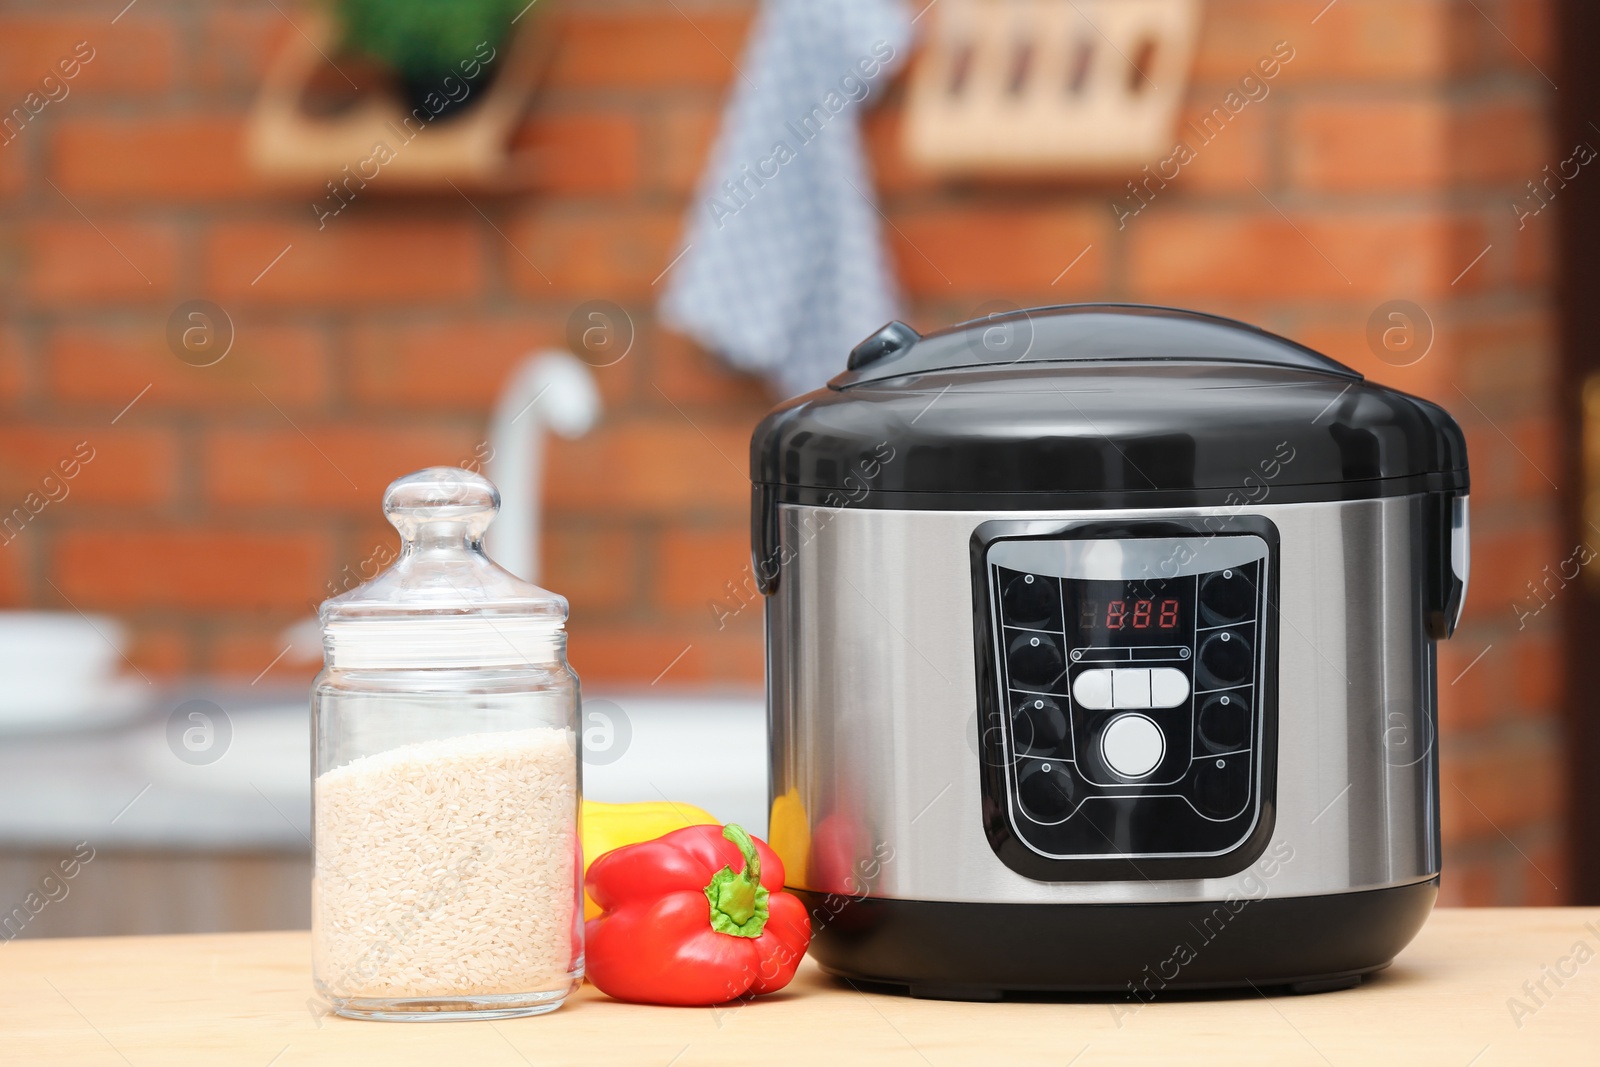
(784, 268)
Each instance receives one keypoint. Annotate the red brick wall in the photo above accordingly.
(1379, 168)
(220, 504)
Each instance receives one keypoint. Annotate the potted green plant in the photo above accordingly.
(366, 73)
(432, 47)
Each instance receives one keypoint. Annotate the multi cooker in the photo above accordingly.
(1101, 655)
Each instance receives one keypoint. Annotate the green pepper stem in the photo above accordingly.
(738, 901)
(752, 859)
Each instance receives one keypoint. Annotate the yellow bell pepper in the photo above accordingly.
(610, 826)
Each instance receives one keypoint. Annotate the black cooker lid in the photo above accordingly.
(1100, 406)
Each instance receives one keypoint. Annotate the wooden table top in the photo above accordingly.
(1456, 997)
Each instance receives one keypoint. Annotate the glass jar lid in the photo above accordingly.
(443, 603)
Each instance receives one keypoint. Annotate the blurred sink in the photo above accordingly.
(707, 750)
(265, 748)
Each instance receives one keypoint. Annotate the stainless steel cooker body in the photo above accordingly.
(879, 744)
(1101, 655)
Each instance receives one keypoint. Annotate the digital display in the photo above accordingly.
(1116, 613)
(1130, 614)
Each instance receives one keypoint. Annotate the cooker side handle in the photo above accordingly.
(1449, 555)
(765, 561)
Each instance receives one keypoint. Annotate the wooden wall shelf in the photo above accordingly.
(1049, 86)
(288, 143)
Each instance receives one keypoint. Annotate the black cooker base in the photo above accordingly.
(959, 951)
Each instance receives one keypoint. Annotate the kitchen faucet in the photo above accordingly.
(551, 389)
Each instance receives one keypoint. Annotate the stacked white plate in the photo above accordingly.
(59, 670)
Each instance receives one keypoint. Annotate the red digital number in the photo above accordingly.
(1169, 614)
(1141, 614)
(1116, 611)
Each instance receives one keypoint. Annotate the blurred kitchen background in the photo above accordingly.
(1384, 194)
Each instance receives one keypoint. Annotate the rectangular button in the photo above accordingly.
(1130, 688)
(1169, 687)
(1092, 689)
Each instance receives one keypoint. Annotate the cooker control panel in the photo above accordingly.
(1129, 718)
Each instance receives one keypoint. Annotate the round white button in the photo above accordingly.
(1132, 745)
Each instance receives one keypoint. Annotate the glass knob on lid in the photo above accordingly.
(443, 603)
(438, 506)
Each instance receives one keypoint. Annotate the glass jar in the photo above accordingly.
(448, 877)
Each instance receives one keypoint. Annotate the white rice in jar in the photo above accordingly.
(449, 867)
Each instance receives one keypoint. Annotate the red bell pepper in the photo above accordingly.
(695, 917)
